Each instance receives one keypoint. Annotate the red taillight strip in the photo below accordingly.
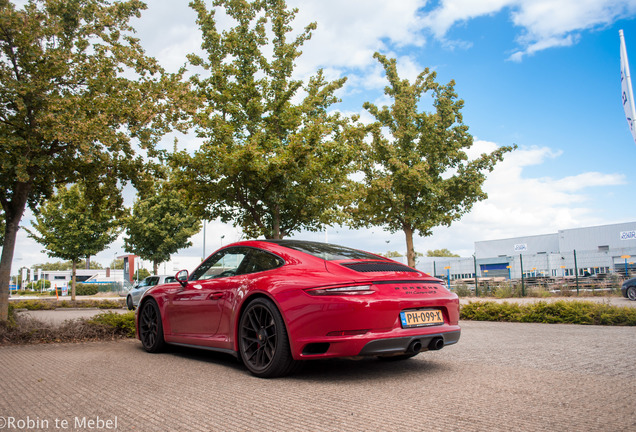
(343, 290)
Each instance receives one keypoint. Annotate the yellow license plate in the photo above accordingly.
(419, 318)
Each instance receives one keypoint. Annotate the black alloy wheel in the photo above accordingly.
(263, 340)
(631, 293)
(150, 327)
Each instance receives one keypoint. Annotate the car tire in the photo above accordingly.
(263, 340)
(129, 303)
(631, 293)
(150, 327)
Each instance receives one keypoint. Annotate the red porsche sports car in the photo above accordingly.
(273, 303)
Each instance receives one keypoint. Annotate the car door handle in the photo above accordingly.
(216, 295)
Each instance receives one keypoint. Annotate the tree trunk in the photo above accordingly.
(276, 223)
(73, 280)
(88, 263)
(8, 247)
(410, 251)
(155, 268)
(13, 211)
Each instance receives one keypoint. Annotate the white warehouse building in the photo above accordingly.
(586, 251)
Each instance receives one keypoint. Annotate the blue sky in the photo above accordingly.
(542, 74)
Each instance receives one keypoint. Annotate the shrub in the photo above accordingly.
(462, 290)
(106, 326)
(33, 304)
(86, 289)
(52, 304)
(123, 324)
(38, 285)
(565, 312)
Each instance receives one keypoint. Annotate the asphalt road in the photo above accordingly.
(499, 377)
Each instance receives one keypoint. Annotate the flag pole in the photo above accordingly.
(626, 84)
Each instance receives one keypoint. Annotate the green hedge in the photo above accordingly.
(558, 312)
(116, 303)
(85, 289)
(123, 324)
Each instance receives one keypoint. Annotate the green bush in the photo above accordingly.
(86, 289)
(558, 312)
(462, 290)
(53, 304)
(25, 329)
(37, 286)
(33, 304)
(123, 324)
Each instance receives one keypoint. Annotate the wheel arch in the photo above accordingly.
(142, 302)
(246, 301)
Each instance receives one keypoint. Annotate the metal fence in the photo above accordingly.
(595, 272)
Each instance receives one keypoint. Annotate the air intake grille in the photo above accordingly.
(368, 267)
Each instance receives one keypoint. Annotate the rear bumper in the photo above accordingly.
(400, 345)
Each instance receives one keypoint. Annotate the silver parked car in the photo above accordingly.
(133, 297)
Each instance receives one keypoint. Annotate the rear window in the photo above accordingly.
(328, 252)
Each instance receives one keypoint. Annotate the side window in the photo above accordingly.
(153, 281)
(169, 279)
(259, 260)
(222, 264)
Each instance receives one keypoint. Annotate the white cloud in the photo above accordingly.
(519, 205)
(544, 23)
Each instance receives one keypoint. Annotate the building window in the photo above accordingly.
(603, 248)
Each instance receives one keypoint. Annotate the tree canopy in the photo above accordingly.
(78, 99)
(67, 265)
(160, 224)
(70, 226)
(440, 253)
(274, 158)
(417, 174)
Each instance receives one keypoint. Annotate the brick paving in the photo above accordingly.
(499, 377)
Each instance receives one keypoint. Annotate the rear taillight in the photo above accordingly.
(346, 290)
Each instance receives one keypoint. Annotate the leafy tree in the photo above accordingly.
(440, 253)
(67, 265)
(142, 273)
(393, 254)
(274, 160)
(75, 91)
(70, 226)
(117, 264)
(420, 176)
(159, 226)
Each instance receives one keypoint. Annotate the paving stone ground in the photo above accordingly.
(499, 377)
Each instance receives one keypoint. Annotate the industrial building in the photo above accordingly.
(586, 251)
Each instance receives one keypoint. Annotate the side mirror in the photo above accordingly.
(182, 277)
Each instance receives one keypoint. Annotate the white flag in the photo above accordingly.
(627, 95)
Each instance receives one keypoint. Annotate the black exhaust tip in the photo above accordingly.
(436, 343)
(415, 346)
